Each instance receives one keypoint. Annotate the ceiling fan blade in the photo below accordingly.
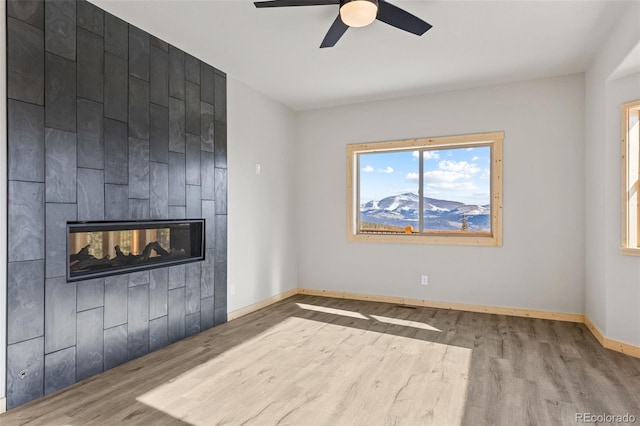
(287, 3)
(338, 28)
(399, 18)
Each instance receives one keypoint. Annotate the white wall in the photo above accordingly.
(612, 285)
(262, 254)
(541, 264)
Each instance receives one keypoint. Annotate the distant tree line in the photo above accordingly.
(374, 225)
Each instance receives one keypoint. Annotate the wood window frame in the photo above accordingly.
(494, 238)
(630, 165)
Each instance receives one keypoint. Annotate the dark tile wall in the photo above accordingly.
(106, 122)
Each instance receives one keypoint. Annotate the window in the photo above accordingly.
(445, 190)
(630, 175)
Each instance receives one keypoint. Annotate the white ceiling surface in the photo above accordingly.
(472, 44)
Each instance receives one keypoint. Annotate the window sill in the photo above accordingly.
(630, 251)
(478, 241)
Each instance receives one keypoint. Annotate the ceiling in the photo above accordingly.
(472, 44)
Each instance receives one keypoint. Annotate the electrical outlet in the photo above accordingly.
(232, 290)
(258, 168)
(424, 280)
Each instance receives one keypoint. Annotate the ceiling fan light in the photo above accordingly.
(358, 13)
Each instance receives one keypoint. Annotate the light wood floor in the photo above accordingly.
(319, 361)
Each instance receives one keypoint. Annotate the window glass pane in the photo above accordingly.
(633, 173)
(388, 188)
(457, 189)
(633, 122)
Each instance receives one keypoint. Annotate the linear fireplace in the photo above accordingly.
(98, 249)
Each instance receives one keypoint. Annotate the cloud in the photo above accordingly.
(453, 186)
(437, 176)
(412, 177)
(370, 169)
(475, 158)
(486, 174)
(428, 155)
(459, 166)
(431, 155)
(448, 172)
(443, 176)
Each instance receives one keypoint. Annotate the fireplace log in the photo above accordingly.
(83, 254)
(83, 260)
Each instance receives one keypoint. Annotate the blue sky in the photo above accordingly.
(460, 174)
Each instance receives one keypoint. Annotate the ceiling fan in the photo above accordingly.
(358, 13)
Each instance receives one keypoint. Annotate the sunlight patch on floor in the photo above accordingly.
(406, 323)
(309, 372)
(333, 311)
(379, 318)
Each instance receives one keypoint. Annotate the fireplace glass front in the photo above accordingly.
(97, 249)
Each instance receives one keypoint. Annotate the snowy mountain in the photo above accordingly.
(402, 210)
